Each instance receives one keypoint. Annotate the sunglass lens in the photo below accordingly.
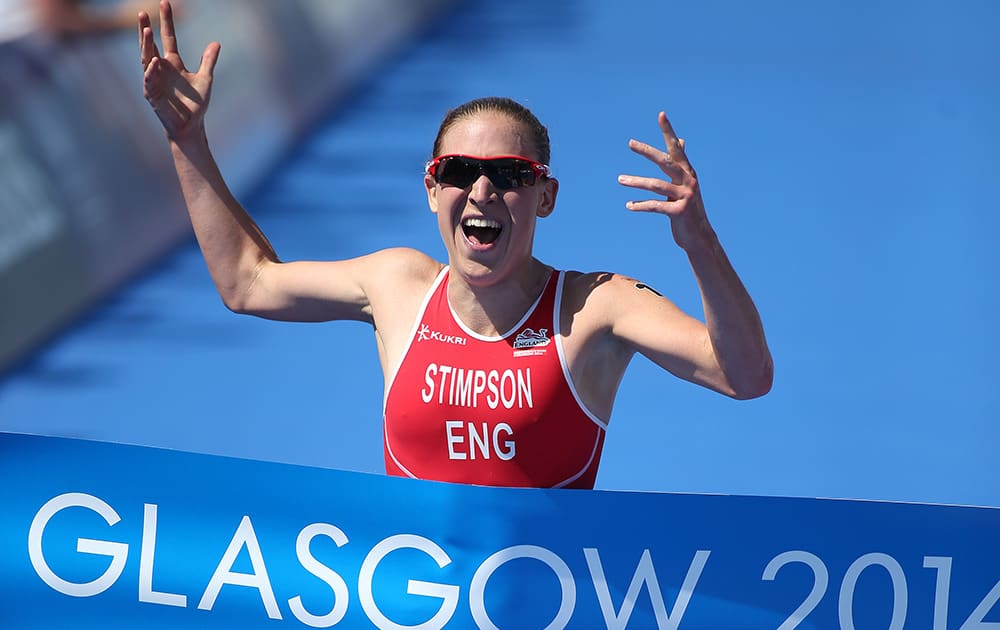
(511, 173)
(505, 173)
(457, 171)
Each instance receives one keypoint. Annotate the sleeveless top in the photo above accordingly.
(499, 411)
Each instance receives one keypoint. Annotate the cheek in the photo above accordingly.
(449, 206)
(448, 198)
(523, 207)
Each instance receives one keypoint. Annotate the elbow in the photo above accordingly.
(239, 291)
(240, 306)
(749, 393)
(236, 292)
(755, 385)
(236, 307)
(236, 301)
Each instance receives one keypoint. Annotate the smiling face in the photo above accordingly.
(489, 232)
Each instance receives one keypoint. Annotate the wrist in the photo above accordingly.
(193, 142)
(693, 234)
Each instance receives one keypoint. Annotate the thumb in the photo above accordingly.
(209, 58)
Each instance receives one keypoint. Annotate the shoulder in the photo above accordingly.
(604, 299)
(403, 265)
(605, 288)
(402, 256)
(398, 275)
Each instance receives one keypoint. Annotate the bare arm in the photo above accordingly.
(245, 268)
(71, 17)
(728, 352)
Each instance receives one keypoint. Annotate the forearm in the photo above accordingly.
(233, 245)
(73, 19)
(734, 359)
(734, 325)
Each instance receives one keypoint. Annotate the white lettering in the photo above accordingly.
(821, 579)
(644, 574)
(244, 536)
(506, 453)
(425, 333)
(477, 589)
(450, 426)
(118, 552)
(899, 594)
(976, 619)
(524, 388)
(447, 593)
(146, 555)
(323, 572)
(464, 387)
(481, 440)
(942, 589)
(505, 449)
(480, 385)
(465, 398)
(427, 393)
(451, 390)
(505, 378)
(493, 399)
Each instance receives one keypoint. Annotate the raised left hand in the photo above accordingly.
(681, 197)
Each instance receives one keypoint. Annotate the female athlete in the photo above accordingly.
(499, 369)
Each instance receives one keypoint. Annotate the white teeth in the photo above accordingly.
(481, 222)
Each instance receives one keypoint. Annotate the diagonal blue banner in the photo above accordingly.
(103, 535)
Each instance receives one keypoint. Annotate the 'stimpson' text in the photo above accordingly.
(460, 387)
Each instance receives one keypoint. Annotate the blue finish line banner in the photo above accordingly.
(97, 535)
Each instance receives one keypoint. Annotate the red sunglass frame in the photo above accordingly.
(430, 168)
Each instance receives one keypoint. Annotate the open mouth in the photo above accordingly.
(480, 230)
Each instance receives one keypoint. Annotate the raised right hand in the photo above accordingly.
(179, 98)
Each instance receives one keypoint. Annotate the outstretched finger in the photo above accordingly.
(149, 51)
(143, 24)
(658, 157)
(209, 58)
(660, 206)
(651, 184)
(675, 147)
(167, 28)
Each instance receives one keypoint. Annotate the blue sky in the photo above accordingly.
(847, 157)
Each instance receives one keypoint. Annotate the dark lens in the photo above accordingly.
(507, 173)
(504, 174)
(457, 171)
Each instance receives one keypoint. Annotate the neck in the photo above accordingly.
(493, 309)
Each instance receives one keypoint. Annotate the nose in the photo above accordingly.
(483, 191)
